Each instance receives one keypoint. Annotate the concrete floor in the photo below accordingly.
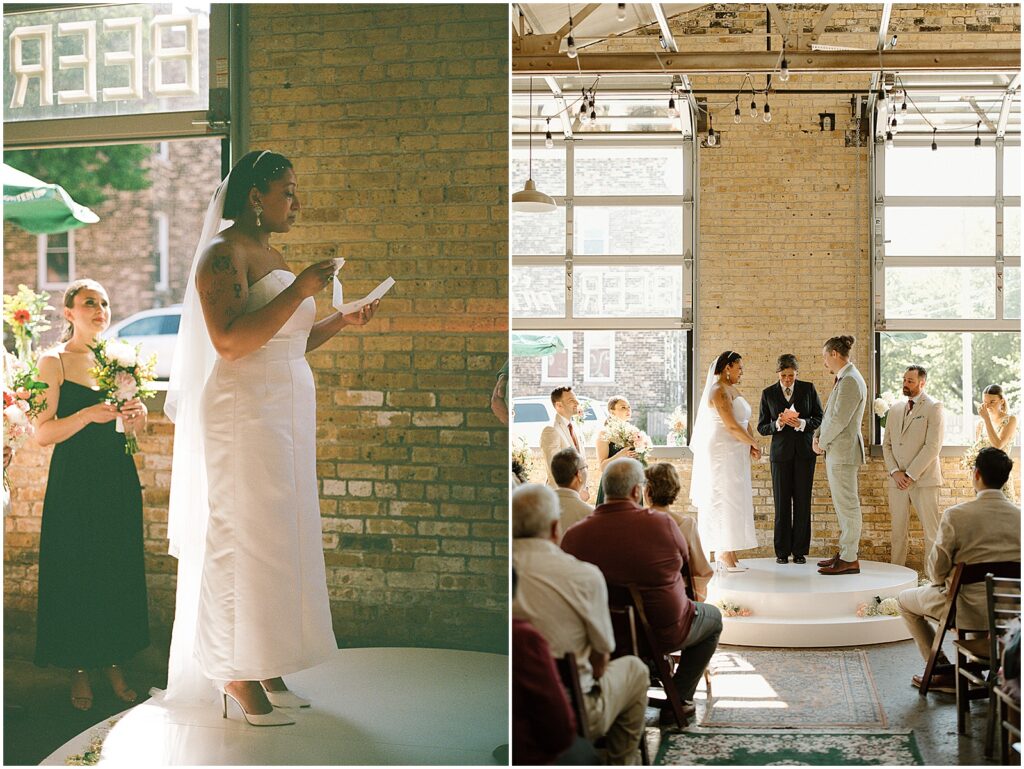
(38, 717)
(932, 718)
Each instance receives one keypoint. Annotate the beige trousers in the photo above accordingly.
(842, 481)
(615, 710)
(925, 500)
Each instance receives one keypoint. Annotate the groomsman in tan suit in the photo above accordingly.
(913, 439)
(562, 434)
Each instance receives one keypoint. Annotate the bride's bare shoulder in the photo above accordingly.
(719, 392)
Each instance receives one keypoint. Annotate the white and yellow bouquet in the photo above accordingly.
(25, 313)
(629, 436)
(523, 454)
(677, 427)
(881, 406)
(121, 377)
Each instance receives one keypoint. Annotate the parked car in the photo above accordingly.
(532, 414)
(155, 330)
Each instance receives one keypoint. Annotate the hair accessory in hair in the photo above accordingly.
(259, 158)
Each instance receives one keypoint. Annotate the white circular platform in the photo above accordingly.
(792, 605)
(372, 706)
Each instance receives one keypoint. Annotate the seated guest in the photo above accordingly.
(569, 470)
(662, 488)
(631, 543)
(543, 725)
(567, 601)
(985, 529)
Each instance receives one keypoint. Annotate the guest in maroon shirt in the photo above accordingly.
(630, 543)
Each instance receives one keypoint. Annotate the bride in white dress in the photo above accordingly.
(723, 446)
(252, 602)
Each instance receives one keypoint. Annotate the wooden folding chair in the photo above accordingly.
(621, 597)
(570, 675)
(692, 595)
(963, 574)
(1009, 728)
(977, 659)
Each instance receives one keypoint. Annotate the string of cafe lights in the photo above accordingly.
(892, 124)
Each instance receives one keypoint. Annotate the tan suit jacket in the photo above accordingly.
(912, 445)
(984, 529)
(554, 438)
(572, 507)
(839, 432)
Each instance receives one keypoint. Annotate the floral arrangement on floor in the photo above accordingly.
(92, 755)
(677, 427)
(879, 607)
(629, 436)
(120, 376)
(25, 313)
(881, 406)
(523, 454)
(23, 400)
(730, 609)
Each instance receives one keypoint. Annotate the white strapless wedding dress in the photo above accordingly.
(728, 522)
(264, 610)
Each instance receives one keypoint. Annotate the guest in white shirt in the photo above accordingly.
(569, 470)
(562, 433)
(566, 600)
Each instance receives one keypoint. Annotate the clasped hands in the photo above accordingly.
(902, 480)
(790, 417)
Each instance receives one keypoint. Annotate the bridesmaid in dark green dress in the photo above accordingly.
(92, 610)
(618, 408)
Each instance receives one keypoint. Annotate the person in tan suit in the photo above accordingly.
(561, 433)
(913, 438)
(985, 529)
(839, 439)
(569, 470)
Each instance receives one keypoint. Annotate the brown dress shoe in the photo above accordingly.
(841, 567)
(829, 561)
(941, 682)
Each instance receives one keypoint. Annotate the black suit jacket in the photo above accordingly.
(789, 443)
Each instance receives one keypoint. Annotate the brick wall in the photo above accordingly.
(396, 120)
(784, 259)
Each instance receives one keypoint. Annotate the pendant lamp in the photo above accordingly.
(530, 199)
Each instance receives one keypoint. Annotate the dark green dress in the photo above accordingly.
(92, 608)
(612, 451)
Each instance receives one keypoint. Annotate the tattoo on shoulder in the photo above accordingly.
(222, 263)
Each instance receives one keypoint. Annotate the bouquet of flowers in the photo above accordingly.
(881, 406)
(629, 436)
(121, 377)
(23, 400)
(25, 313)
(523, 454)
(879, 607)
(971, 454)
(730, 609)
(677, 427)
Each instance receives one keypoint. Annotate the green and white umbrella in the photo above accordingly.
(41, 208)
(536, 345)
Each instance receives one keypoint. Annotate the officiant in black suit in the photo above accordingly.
(790, 413)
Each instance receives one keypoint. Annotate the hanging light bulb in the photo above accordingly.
(584, 114)
(712, 136)
(548, 141)
(736, 114)
(893, 125)
(661, 42)
(672, 111)
(767, 112)
(753, 107)
(903, 107)
(977, 135)
(784, 71)
(570, 48)
(530, 199)
(593, 114)
(888, 139)
(620, 12)
(934, 133)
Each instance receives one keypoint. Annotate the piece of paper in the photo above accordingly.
(345, 308)
(339, 262)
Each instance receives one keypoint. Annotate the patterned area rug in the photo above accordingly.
(775, 748)
(793, 689)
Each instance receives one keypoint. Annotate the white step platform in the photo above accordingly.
(793, 606)
(370, 707)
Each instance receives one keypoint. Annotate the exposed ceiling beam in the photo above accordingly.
(666, 32)
(577, 19)
(563, 108)
(980, 112)
(781, 27)
(876, 78)
(530, 16)
(739, 63)
(1012, 90)
(823, 20)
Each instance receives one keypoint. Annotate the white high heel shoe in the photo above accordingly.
(273, 718)
(736, 568)
(286, 699)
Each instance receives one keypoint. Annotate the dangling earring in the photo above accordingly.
(259, 212)
(728, 377)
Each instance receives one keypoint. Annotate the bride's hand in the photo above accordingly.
(755, 453)
(363, 315)
(315, 278)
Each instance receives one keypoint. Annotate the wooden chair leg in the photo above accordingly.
(645, 756)
(963, 702)
(671, 693)
(990, 727)
(707, 684)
